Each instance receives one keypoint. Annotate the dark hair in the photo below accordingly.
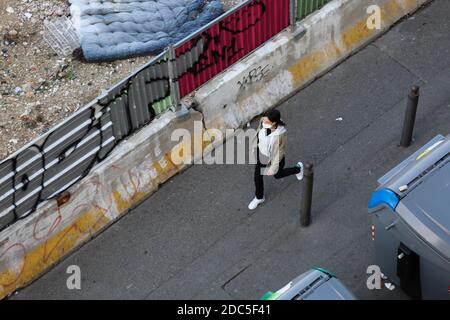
(275, 116)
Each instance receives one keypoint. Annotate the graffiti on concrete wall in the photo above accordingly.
(43, 170)
(64, 156)
(255, 75)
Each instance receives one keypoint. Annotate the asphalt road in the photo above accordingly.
(195, 237)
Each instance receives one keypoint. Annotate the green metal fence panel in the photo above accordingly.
(306, 7)
(161, 106)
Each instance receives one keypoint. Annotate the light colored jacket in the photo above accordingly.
(278, 140)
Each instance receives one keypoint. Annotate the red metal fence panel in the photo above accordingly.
(228, 40)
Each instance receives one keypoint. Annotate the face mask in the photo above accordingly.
(266, 126)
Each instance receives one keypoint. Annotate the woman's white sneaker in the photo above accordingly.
(255, 202)
(300, 174)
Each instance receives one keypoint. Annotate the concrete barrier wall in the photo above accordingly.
(133, 171)
(140, 164)
(293, 59)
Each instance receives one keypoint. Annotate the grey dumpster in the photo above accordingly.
(410, 213)
(315, 284)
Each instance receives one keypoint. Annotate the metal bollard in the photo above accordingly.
(410, 117)
(292, 13)
(305, 210)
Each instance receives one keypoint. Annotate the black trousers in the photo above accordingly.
(282, 173)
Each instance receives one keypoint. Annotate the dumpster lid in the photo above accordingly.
(412, 171)
(426, 209)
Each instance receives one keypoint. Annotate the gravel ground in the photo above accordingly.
(37, 88)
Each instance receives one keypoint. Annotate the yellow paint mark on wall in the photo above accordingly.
(121, 203)
(206, 143)
(352, 37)
(303, 70)
(9, 278)
(42, 257)
(136, 199)
(308, 66)
(391, 9)
(312, 64)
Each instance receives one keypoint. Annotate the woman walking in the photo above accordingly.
(270, 156)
